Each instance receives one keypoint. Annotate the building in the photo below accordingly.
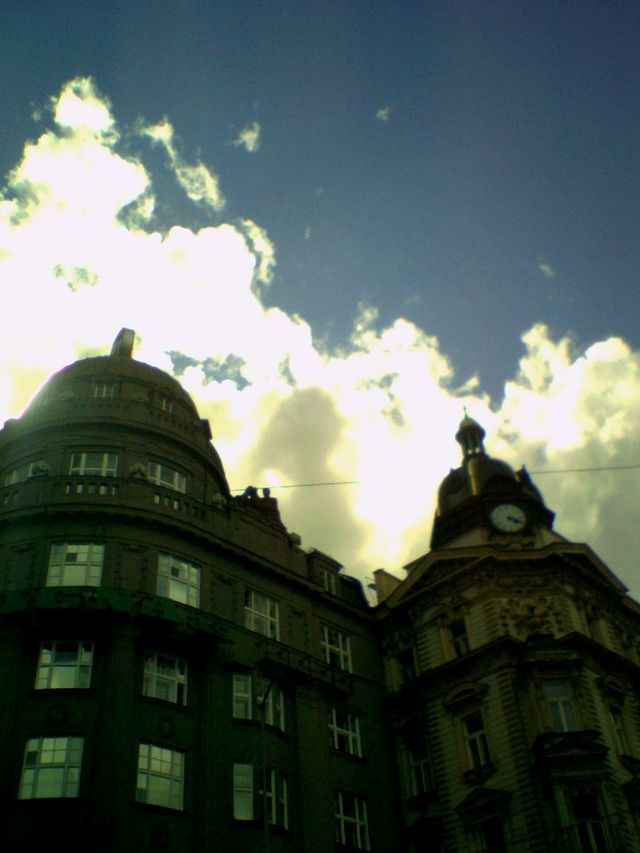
(512, 662)
(180, 675)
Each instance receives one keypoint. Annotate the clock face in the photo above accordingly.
(508, 518)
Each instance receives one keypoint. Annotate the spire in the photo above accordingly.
(469, 436)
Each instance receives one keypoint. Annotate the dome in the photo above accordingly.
(467, 494)
(115, 392)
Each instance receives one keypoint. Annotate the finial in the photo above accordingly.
(123, 344)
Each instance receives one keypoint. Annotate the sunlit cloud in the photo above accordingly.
(198, 182)
(249, 138)
(77, 244)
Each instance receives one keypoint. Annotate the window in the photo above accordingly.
(160, 776)
(337, 648)
(104, 390)
(276, 803)
(31, 469)
(345, 732)
(95, 464)
(459, 638)
(51, 767)
(178, 579)
(588, 826)
(352, 829)
(268, 696)
(491, 836)
(64, 664)
(617, 723)
(75, 564)
(243, 791)
(420, 778)
(329, 581)
(165, 404)
(261, 614)
(560, 704)
(477, 745)
(162, 475)
(165, 677)
(407, 665)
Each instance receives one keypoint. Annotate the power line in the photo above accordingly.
(536, 473)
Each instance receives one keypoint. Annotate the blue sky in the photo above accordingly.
(469, 168)
(511, 144)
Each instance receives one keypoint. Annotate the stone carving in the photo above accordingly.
(524, 616)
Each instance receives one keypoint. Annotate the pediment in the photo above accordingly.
(570, 745)
(483, 804)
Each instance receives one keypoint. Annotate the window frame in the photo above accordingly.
(69, 767)
(93, 564)
(167, 581)
(153, 679)
(345, 732)
(262, 614)
(338, 653)
(175, 776)
(82, 669)
(561, 709)
(273, 709)
(243, 787)
(25, 472)
(108, 466)
(459, 636)
(355, 819)
(104, 390)
(158, 474)
(476, 742)
(275, 798)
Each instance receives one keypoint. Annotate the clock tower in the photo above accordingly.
(485, 502)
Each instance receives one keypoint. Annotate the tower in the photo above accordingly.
(512, 663)
(179, 673)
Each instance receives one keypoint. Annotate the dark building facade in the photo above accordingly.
(180, 675)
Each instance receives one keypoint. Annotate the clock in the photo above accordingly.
(508, 518)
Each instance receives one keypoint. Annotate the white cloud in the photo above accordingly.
(383, 412)
(199, 183)
(249, 138)
(383, 114)
(546, 269)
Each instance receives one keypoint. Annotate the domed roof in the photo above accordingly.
(117, 389)
(480, 475)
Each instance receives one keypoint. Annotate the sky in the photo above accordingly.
(339, 223)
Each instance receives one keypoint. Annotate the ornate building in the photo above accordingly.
(512, 661)
(181, 675)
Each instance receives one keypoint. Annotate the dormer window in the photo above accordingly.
(104, 390)
(329, 581)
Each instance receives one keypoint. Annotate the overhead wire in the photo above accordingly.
(542, 471)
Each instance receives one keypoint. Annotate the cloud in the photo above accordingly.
(198, 182)
(249, 138)
(546, 270)
(383, 114)
(77, 244)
